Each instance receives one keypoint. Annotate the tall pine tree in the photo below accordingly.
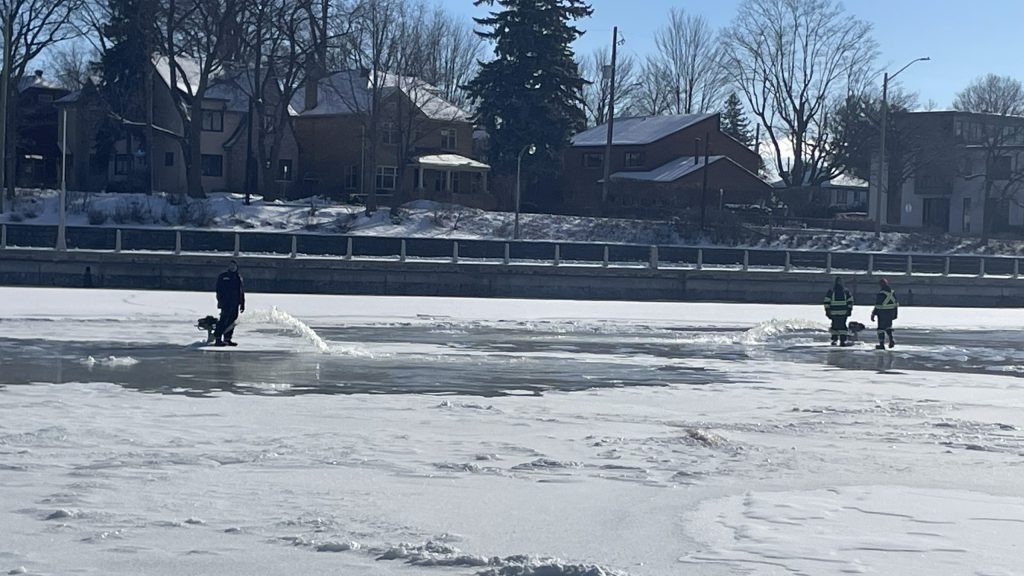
(532, 92)
(735, 122)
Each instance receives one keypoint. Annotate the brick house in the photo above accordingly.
(36, 149)
(657, 168)
(423, 144)
(953, 155)
(223, 143)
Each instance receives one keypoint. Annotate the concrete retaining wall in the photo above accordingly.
(153, 271)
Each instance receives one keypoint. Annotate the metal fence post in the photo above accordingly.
(348, 249)
(507, 259)
(945, 267)
(871, 264)
(910, 264)
(700, 258)
(605, 262)
(238, 242)
(789, 262)
(455, 251)
(295, 246)
(177, 241)
(828, 263)
(981, 266)
(401, 254)
(1016, 268)
(558, 255)
(746, 260)
(654, 257)
(117, 240)
(3, 236)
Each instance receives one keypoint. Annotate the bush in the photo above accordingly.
(132, 211)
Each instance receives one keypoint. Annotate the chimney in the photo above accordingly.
(312, 88)
(39, 74)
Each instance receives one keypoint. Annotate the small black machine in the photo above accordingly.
(208, 323)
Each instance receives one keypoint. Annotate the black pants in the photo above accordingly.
(838, 330)
(884, 327)
(226, 324)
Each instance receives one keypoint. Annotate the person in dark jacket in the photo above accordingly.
(886, 310)
(231, 301)
(838, 307)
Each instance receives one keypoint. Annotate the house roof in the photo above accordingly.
(231, 86)
(37, 81)
(449, 161)
(638, 130)
(350, 92)
(670, 171)
(841, 181)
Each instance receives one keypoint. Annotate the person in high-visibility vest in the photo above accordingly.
(838, 307)
(886, 310)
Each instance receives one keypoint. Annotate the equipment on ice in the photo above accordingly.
(208, 323)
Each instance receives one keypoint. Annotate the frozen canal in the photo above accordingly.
(389, 436)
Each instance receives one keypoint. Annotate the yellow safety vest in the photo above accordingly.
(889, 302)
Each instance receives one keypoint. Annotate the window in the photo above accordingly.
(593, 160)
(213, 121)
(212, 165)
(386, 176)
(284, 170)
(389, 133)
(168, 158)
(634, 159)
(841, 197)
(352, 178)
(122, 164)
(1000, 168)
(449, 138)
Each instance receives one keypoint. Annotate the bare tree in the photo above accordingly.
(35, 25)
(653, 95)
(198, 37)
(596, 92)
(992, 94)
(795, 61)
(997, 138)
(689, 55)
(441, 50)
(71, 63)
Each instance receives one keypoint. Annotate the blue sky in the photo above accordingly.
(963, 39)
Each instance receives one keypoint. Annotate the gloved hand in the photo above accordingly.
(241, 308)
(872, 316)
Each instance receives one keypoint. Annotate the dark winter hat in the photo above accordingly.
(883, 282)
(232, 265)
(839, 281)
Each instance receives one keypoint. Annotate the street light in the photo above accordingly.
(883, 172)
(519, 165)
(61, 224)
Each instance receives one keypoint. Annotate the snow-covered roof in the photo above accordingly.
(449, 161)
(670, 171)
(186, 75)
(37, 81)
(841, 181)
(637, 130)
(349, 92)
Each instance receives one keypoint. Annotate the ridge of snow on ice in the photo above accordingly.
(112, 361)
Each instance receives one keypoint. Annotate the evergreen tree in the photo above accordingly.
(123, 69)
(735, 122)
(532, 92)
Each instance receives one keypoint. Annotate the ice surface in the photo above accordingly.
(420, 436)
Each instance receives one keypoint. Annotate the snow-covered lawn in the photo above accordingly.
(424, 218)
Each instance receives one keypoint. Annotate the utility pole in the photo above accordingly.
(611, 120)
(5, 89)
(704, 186)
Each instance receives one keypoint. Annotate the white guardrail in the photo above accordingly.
(293, 245)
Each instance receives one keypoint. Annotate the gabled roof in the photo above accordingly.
(231, 86)
(37, 81)
(679, 168)
(350, 92)
(638, 130)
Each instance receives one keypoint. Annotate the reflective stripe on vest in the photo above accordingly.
(889, 302)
